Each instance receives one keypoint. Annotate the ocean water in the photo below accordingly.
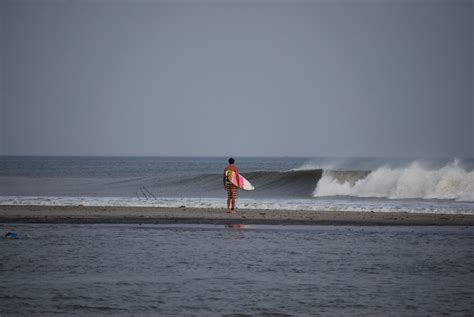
(357, 184)
(209, 270)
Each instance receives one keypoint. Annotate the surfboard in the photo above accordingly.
(244, 183)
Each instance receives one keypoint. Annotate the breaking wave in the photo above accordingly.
(452, 180)
(414, 181)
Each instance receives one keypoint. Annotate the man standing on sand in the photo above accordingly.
(228, 186)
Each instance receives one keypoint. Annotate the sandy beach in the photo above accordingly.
(183, 215)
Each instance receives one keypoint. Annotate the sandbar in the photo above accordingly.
(164, 215)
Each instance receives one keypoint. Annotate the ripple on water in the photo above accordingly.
(263, 270)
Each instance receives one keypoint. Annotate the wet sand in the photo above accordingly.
(102, 214)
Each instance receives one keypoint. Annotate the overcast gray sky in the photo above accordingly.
(285, 78)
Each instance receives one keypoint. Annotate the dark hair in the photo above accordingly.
(231, 161)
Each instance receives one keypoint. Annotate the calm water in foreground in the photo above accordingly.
(212, 270)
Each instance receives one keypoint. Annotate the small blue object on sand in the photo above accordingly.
(11, 235)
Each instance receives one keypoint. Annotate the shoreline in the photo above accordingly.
(10, 214)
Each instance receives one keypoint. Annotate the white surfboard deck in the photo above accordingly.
(244, 183)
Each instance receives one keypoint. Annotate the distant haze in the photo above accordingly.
(272, 78)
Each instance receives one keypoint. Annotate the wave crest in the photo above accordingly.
(414, 181)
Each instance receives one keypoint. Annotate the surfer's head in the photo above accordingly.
(231, 161)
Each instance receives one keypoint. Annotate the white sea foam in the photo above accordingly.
(325, 164)
(319, 204)
(309, 166)
(413, 181)
(350, 164)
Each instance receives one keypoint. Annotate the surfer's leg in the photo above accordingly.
(231, 196)
(234, 197)
(228, 187)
